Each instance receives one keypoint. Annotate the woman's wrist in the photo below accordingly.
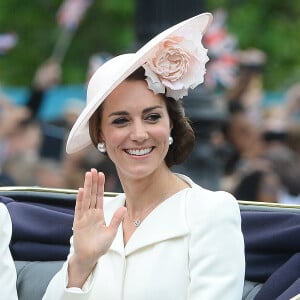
(79, 271)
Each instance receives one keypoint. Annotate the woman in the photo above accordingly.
(8, 274)
(165, 237)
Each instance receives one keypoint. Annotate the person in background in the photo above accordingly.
(47, 76)
(12, 118)
(165, 237)
(8, 274)
(70, 112)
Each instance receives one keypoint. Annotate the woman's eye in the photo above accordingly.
(153, 117)
(119, 121)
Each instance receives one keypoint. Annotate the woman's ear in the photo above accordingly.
(100, 138)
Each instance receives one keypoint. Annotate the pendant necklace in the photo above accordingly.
(138, 221)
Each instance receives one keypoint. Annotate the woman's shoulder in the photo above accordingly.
(200, 196)
(206, 204)
(207, 199)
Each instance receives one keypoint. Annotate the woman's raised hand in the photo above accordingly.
(92, 237)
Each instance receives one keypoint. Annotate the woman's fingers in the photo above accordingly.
(87, 187)
(100, 190)
(94, 189)
(92, 193)
(78, 207)
(90, 230)
(89, 200)
(79, 199)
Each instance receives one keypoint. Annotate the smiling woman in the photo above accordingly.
(184, 237)
(135, 128)
(179, 125)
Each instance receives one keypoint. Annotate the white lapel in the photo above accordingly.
(110, 206)
(166, 221)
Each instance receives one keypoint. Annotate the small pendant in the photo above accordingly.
(137, 222)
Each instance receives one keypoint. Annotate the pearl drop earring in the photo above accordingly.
(101, 147)
(171, 140)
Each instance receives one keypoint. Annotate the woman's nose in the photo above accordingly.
(139, 132)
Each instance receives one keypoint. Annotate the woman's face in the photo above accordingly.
(135, 127)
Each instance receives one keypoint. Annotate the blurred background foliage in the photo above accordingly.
(270, 25)
(107, 27)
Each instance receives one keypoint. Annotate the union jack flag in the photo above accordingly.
(223, 65)
(71, 12)
(7, 42)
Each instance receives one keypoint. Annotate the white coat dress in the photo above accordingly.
(8, 274)
(190, 247)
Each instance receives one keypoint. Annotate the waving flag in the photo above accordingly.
(7, 42)
(222, 50)
(71, 12)
(221, 72)
(68, 17)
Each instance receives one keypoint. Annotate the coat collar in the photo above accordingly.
(165, 222)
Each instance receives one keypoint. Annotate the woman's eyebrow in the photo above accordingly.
(119, 113)
(146, 110)
(126, 113)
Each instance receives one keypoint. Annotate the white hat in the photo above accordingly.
(183, 38)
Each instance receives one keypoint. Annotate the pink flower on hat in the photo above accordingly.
(177, 64)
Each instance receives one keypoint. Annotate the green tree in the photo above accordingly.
(272, 26)
(107, 26)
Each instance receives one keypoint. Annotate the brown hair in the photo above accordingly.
(182, 132)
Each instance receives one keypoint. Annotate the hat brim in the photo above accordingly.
(119, 68)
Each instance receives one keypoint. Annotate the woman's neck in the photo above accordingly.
(150, 191)
(145, 194)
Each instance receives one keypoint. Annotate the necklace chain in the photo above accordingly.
(138, 221)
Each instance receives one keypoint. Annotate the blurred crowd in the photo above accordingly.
(252, 150)
(262, 161)
(32, 151)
